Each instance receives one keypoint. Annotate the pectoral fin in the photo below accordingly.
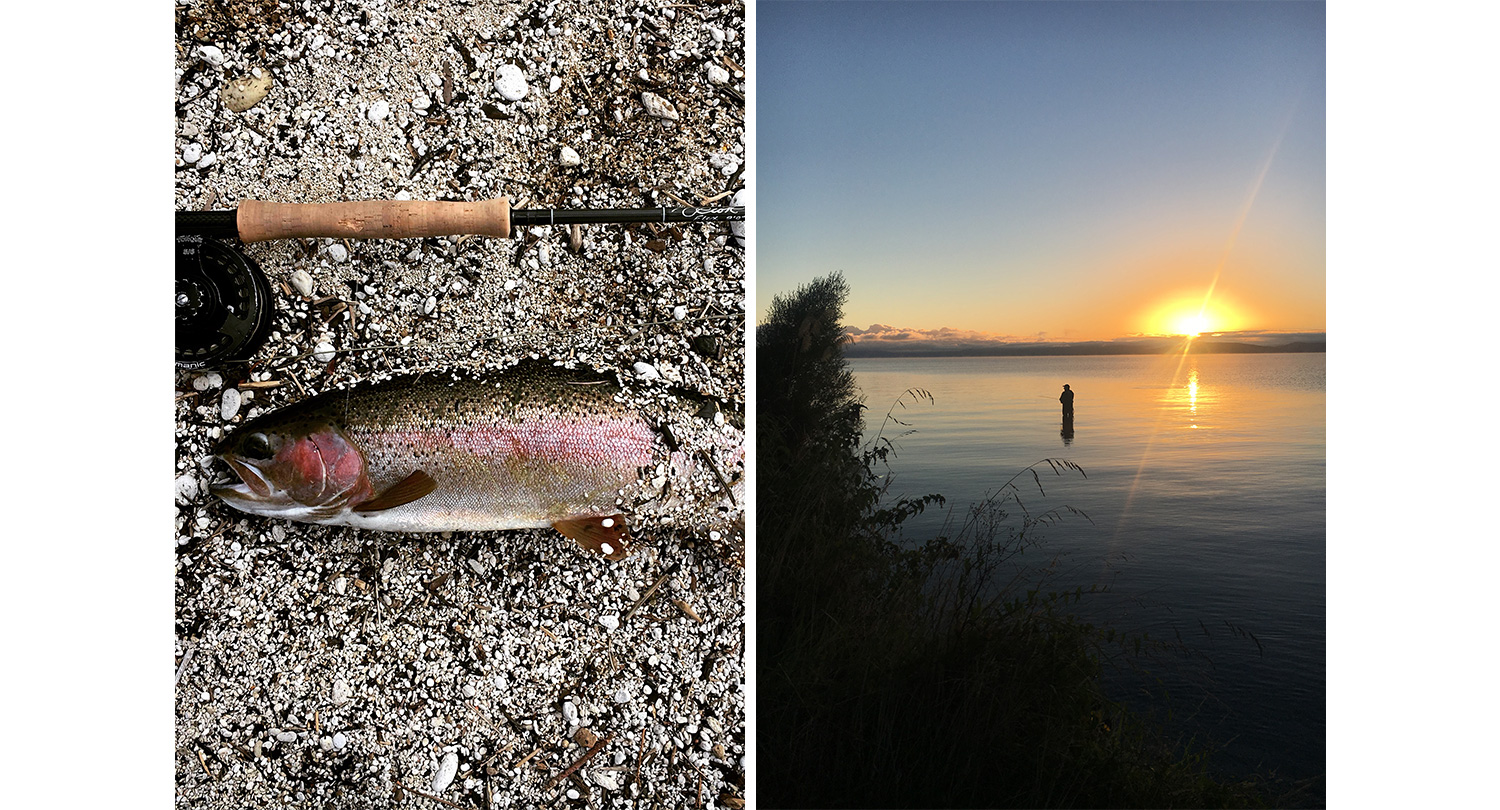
(413, 487)
(605, 535)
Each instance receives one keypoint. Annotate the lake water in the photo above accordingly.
(1206, 487)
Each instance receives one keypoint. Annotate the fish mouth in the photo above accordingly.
(240, 481)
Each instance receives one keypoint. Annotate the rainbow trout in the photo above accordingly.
(533, 446)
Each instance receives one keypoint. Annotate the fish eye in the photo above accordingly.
(257, 446)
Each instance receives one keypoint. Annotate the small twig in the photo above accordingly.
(527, 758)
(572, 769)
(186, 657)
(411, 789)
(651, 590)
(204, 763)
(639, 755)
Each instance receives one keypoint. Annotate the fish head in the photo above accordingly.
(299, 471)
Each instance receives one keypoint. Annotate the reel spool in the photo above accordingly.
(223, 303)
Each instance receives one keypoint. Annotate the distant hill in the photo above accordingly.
(930, 348)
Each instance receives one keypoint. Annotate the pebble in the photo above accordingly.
(555, 84)
(610, 621)
(605, 779)
(622, 696)
(302, 283)
(211, 54)
(646, 371)
(247, 91)
(717, 75)
(568, 157)
(208, 160)
(287, 736)
(339, 586)
(338, 252)
(323, 352)
(341, 692)
(229, 404)
(510, 83)
(570, 712)
(430, 305)
(659, 107)
(339, 740)
(326, 743)
(187, 488)
(203, 382)
(573, 794)
(446, 770)
(679, 312)
(192, 153)
(379, 111)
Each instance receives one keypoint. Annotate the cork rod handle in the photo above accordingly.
(259, 221)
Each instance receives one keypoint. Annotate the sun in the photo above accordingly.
(1189, 315)
(1192, 324)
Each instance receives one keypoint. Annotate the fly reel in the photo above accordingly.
(223, 303)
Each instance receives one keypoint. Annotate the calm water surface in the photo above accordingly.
(1205, 485)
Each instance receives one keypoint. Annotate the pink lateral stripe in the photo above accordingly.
(617, 441)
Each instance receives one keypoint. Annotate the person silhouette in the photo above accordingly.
(1067, 402)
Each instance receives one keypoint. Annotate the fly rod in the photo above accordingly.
(259, 221)
(223, 300)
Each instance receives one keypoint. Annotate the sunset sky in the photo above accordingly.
(1046, 171)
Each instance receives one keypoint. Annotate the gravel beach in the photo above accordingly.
(335, 667)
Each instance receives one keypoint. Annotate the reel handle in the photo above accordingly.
(258, 221)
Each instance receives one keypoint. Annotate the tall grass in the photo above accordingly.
(931, 673)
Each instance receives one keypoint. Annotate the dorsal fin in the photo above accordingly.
(413, 487)
(606, 534)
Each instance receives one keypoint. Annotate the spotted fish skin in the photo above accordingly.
(536, 445)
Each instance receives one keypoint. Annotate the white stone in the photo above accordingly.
(339, 740)
(229, 404)
(207, 160)
(569, 157)
(622, 696)
(341, 692)
(338, 252)
(302, 283)
(645, 371)
(323, 352)
(605, 779)
(554, 84)
(187, 488)
(446, 770)
(287, 736)
(659, 107)
(430, 305)
(421, 102)
(192, 153)
(203, 382)
(211, 55)
(717, 74)
(510, 83)
(570, 712)
(379, 111)
(610, 621)
(679, 312)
